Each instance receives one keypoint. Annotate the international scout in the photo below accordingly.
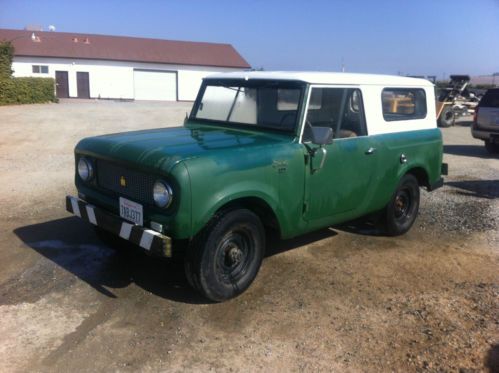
(282, 151)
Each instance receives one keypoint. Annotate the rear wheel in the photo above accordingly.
(492, 148)
(402, 210)
(447, 117)
(225, 257)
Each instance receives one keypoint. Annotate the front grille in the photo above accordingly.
(138, 185)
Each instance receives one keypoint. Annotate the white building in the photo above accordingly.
(116, 67)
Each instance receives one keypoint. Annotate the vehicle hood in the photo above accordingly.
(162, 148)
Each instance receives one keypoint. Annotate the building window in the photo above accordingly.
(403, 103)
(40, 69)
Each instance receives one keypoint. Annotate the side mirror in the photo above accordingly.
(321, 135)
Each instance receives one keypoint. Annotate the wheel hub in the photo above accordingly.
(233, 255)
(401, 205)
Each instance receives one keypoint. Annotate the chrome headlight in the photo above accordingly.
(85, 169)
(162, 194)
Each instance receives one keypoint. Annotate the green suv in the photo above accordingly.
(282, 151)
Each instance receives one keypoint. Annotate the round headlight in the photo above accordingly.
(162, 194)
(85, 169)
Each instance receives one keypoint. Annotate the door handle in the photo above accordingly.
(370, 151)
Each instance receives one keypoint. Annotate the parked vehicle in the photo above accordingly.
(486, 121)
(262, 151)
(455, 100)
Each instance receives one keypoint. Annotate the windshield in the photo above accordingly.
(262, 104)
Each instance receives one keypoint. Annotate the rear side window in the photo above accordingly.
(491, 99)
(403, 103)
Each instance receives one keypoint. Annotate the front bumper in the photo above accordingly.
(150, 240)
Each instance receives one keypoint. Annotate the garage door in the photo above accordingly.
(155, 85)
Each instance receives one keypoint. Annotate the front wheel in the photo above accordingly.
(402, 210)
(224, 259)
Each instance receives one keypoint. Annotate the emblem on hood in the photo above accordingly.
(123, 181)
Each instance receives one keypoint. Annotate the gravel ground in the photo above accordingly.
(341, 299)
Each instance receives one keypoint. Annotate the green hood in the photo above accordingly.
(162, 148)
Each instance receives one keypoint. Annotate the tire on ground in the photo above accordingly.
(491, 147)
(402, 210)
(224, 259)
(447, 117)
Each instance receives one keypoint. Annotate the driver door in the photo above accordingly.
(341, 187)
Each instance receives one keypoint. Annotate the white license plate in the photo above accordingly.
(131, 211)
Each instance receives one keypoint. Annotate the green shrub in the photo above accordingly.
(6, 55)
(26, 90)
(21, 90)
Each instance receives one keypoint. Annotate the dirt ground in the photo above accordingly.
(343, 299)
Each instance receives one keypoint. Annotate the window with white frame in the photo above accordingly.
(403, 103)
(40, 69)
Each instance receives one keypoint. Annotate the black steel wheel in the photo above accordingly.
(224, 259)
(402, 210)
(447, 117)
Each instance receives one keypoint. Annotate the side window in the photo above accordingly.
(338, 108)
(403, 103)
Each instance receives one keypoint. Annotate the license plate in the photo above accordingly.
(131, 211)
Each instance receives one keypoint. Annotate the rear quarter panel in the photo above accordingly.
(418, 139)
(422, 149)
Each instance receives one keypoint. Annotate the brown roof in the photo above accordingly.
(122, 48)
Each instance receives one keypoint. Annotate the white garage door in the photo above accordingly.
(155, 85)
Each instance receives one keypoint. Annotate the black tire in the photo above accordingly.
(224, 259)
(491, 147)
(447, 117)
(402, 210)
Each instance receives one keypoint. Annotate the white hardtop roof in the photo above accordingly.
(316, 77)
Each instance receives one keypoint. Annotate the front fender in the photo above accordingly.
(234, 193)
(203, 212)
(215, 183)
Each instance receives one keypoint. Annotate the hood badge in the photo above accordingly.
(280, 166)
(123, 181)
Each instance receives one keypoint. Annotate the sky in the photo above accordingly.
(408, 37)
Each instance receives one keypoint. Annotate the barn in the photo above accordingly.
(118, 67)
